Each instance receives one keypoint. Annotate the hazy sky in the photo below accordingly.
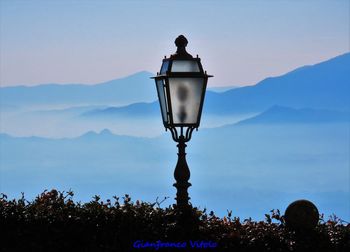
(240, 42)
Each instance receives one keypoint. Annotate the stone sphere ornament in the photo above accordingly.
(301, 215)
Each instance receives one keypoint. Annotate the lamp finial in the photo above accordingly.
(181, 43)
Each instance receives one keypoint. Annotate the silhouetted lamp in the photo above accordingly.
(181, 85)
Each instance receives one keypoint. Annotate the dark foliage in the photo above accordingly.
(54, 222)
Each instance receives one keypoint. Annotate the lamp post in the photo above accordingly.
(181, 85)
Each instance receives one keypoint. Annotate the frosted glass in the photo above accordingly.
(185, 66)
(162, 99)
(186, 97)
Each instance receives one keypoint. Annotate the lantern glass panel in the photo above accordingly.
(164, 67)
(185, 66)
(186, 95)
(162, 99)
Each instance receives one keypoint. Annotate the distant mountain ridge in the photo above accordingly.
(305, 158)
(134, 88)
(221, 89)
(321, 86)
(103, 135)
(140, 109)
(325, 85)
(285, 115)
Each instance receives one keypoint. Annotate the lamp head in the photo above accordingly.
(181, 85)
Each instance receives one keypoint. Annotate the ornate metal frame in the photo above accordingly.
(187, 137)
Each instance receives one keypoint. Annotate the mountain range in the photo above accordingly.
(285, 115)
(134, 88)
(320, 86)
(324, 86)
(247, 168)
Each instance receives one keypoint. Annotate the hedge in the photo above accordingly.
(54, 222)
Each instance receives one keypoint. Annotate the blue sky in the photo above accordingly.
(240, 42)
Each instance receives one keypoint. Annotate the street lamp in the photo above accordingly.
(181, 85)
